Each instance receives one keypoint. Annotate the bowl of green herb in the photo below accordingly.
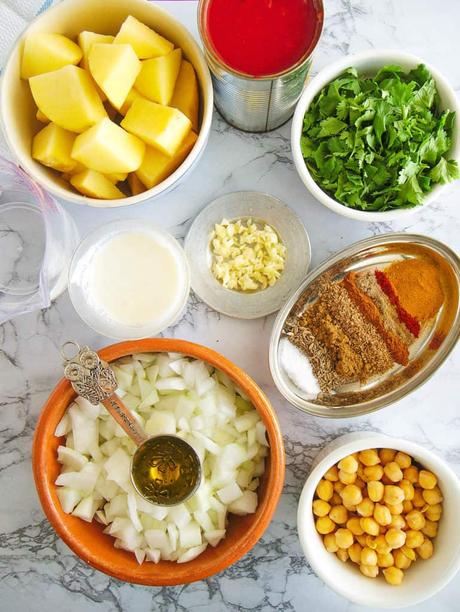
(375, 136)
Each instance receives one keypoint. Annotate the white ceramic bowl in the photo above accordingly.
(368, 63)
(424, 578)
(71, 17)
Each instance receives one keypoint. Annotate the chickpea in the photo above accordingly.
(395, 508)
(329, 543)
(348, 464)
(346, 477)
(397, 521)
(371, 571)
(417, 500)
(408, 489)
(414, 538)
(395, 537)
(360, 483)
(401, 561)
(415, 519)
(338, 486)
(368, 556)
(325, 490)
(344, 538)
(433, 513)
(382, 515)
(393, 495)
(372, 472)
(371, 542)
(370, 526)
(324, 525)
(375, 490)
(321, 508)
(339, 514)
(409, 552)
(393, 575)
(369, 457)
(381, 545)
(354, 552)
(332, 474)
(335, 500)
(354, 526)
(342, 554)
(365, 508)
(427, 480)
(351, 495)
(425, 550)
(407, 506)
(393, 471)
(403, 460)
(362, 539)
(432, 496)
(411, 474)
(430, 529)
(386, 455)
(385, 560)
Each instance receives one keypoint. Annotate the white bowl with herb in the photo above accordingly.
(375, 136)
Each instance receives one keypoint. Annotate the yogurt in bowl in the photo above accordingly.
(129, 279)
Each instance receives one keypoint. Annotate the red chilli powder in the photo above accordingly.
(409, 321)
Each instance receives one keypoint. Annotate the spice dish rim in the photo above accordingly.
(390, 398)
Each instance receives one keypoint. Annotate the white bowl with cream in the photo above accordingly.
(129, 279)
(426, 577)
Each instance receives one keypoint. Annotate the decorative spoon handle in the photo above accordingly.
(94, 380)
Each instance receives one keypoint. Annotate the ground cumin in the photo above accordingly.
(416, 283)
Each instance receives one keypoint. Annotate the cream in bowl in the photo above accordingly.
(129, 279)
(375, 135)
(395, 551)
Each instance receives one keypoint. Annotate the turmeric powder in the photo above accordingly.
(416, 283)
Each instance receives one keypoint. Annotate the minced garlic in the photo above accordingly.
(246, 256)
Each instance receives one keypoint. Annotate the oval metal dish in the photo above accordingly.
(358, 399)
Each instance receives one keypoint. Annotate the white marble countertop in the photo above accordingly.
(37, 571)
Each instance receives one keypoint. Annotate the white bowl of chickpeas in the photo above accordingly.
(378, 520)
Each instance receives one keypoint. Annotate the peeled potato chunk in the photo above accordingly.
(156, 166)
(114, 68)
(68, 98)
(117, 177)
(41, 117)
(185, 96)
(108, 148)
(145, 41)
(87, 39)
(46, 52)
(95, 185)
(157, 78)
(162, 127)
(52, 146)
(132, 95)
(135, 184)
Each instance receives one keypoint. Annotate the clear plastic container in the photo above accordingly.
(37, 240)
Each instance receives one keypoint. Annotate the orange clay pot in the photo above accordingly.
(95, 548)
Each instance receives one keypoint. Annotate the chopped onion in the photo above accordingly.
(167, 394)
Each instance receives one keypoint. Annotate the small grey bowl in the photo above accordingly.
(260, 207)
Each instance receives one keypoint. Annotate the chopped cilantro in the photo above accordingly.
(379, 143)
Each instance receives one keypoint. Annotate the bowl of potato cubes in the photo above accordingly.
(377, 520)
(106, 107)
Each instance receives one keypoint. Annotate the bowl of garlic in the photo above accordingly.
(81, 464)
(377, 520)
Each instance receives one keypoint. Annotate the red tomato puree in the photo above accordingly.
(261, 37)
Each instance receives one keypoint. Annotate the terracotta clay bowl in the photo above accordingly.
(95, 548)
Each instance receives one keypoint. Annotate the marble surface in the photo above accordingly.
(37, 571)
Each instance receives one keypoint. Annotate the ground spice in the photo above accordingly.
(409, 321)
(369, 310)
(357, 350)
(368, 284)
(416, 283)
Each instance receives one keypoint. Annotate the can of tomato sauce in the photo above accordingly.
(259, 53)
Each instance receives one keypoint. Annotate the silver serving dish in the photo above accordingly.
(426, 354)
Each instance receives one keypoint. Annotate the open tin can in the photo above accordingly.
(256, 103)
